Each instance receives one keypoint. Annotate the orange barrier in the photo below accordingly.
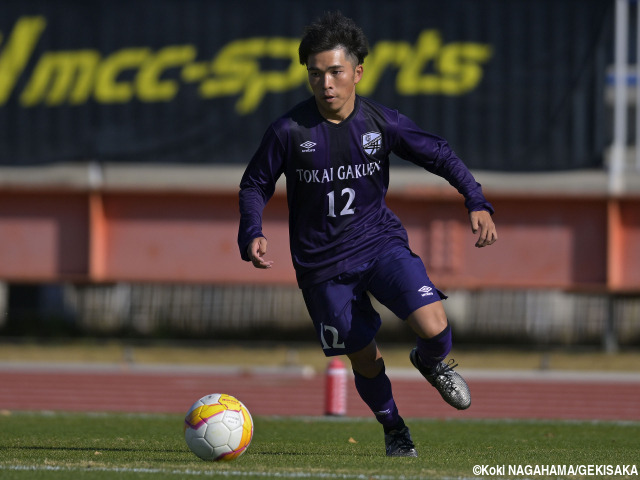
(571, 242)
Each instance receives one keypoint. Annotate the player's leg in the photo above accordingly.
(402, 284)
(374, 387)
(346, 324)
(367, 362)
(431, 350)
(431, 326)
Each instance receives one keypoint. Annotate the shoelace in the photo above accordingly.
(442, 369)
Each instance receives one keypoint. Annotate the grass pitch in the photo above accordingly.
(54, 446)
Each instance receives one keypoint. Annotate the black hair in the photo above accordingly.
(331, 31)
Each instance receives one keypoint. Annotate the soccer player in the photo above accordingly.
(333, 149)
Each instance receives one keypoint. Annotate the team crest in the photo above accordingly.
(371, 142)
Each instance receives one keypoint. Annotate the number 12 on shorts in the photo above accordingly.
(334, 337)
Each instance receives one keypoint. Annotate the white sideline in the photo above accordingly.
(218, 473)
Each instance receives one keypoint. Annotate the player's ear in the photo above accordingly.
(358, 74)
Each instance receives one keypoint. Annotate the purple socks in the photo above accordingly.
(435, 349)
(376, 393)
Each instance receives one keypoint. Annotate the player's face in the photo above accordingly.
(333, 79)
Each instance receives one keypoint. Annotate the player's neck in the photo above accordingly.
(341, 115)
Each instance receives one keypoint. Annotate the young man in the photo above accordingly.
(334, 152)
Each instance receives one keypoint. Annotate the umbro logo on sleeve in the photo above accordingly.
(426, 291)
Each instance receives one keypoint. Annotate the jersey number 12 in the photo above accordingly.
(347, 210)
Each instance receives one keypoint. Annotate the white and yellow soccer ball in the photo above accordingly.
(218, 427)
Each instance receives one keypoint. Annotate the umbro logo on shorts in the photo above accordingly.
(426, 291)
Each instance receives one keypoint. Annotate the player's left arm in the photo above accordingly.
(435, 155)
(482, 224)
(256, 251)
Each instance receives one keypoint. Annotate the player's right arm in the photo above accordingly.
(256, 188)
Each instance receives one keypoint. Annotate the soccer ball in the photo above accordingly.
(218, 427)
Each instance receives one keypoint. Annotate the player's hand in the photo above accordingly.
(482, 223)
(257, 250)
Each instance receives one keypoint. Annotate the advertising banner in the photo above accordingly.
(513, 85)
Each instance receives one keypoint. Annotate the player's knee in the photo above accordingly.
(429, 320)
(369, 369)
(365, 364)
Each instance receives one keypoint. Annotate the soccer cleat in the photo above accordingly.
(450, 384)
(398, 443)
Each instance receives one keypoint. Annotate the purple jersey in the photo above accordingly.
(337, 179)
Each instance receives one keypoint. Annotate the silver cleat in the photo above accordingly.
(452, 387)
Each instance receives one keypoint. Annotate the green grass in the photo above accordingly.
(104, 446)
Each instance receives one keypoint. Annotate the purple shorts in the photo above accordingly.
(344, 319)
